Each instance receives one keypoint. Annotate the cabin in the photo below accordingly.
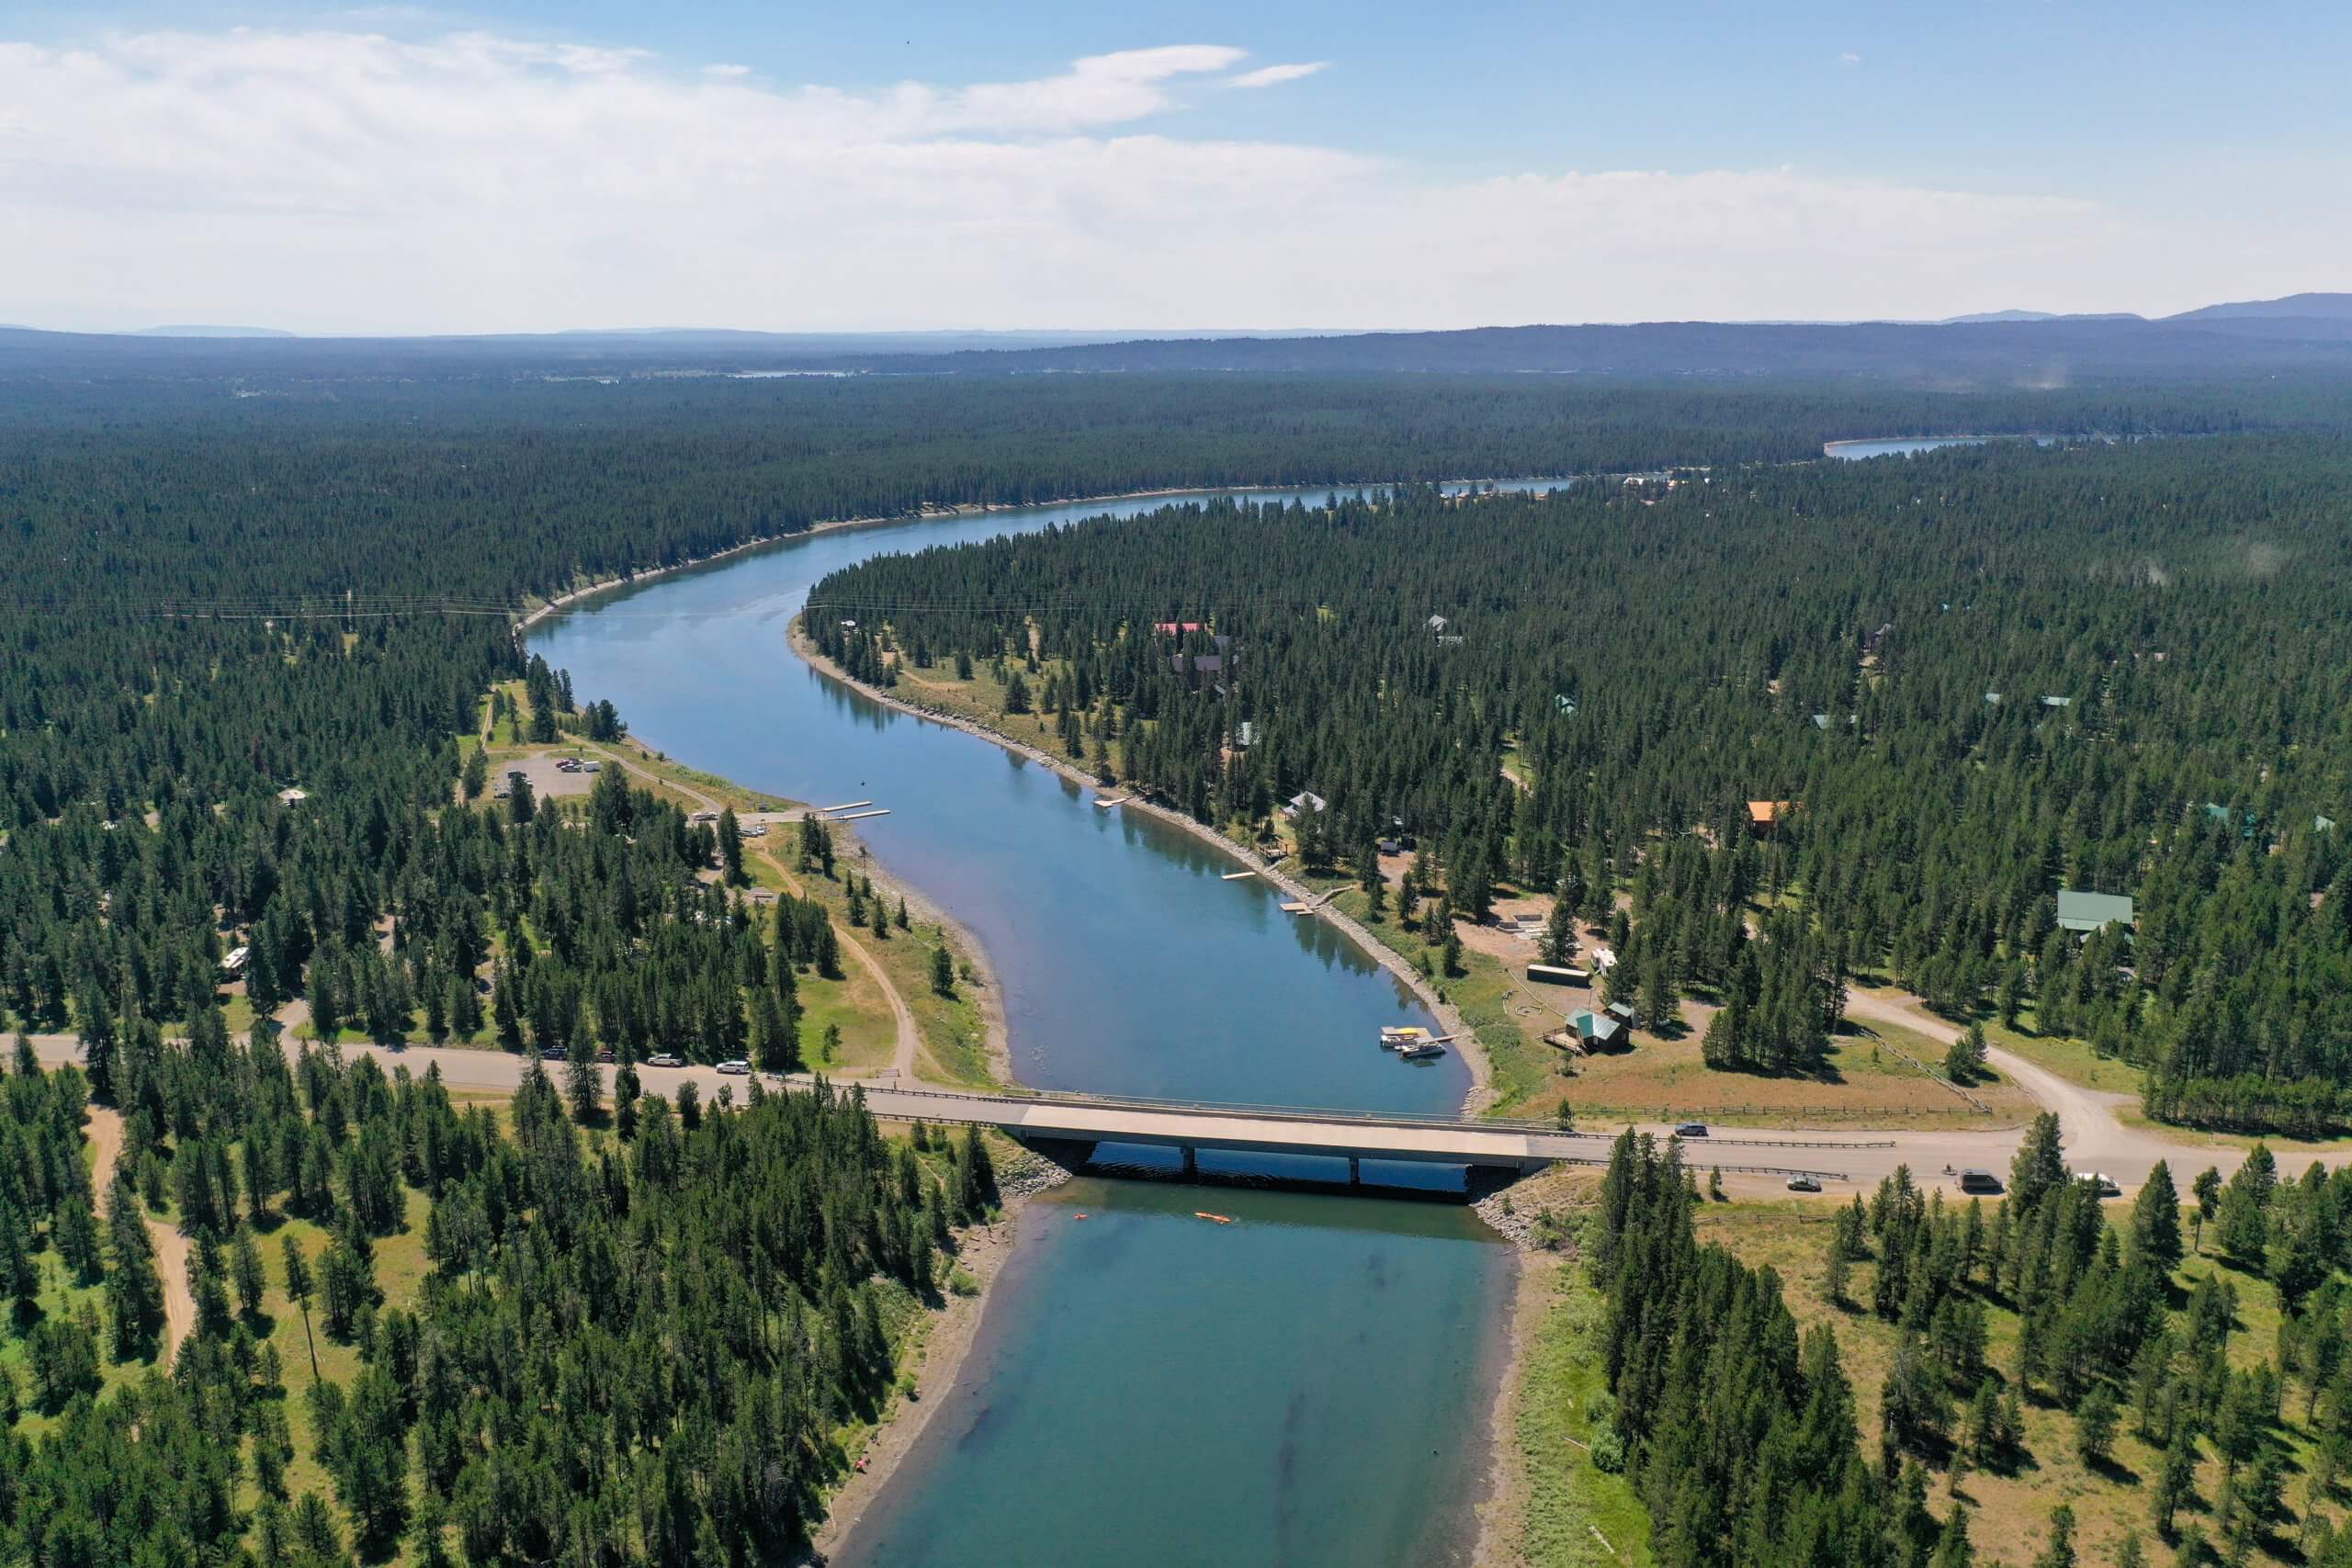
(1245, 735)
(1598, 1030)
(2057, 702)
(2247, 822)
(1437, 623)
(1176, 628)
(1558, 974)
(1303, 802)
(294, 797)
(2084, 913)
(1391, 847)
(1764, 815)
(1623, 1013)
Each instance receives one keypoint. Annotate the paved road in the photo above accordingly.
(2095, 1138)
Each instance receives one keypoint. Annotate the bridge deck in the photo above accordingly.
(1338, 1135)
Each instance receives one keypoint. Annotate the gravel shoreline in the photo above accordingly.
(981, 1252)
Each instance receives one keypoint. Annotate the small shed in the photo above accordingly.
(1558, 974)
(1764, 815)
(2085, 912)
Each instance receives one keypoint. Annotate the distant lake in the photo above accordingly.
(1905, 445)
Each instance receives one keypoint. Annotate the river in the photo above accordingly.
(1304, 1386)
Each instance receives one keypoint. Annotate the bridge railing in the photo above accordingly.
(1327, 1114)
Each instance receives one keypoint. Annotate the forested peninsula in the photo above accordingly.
(1961, 683)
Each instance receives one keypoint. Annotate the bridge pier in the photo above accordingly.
(1192, 1163)
(1355, 1171)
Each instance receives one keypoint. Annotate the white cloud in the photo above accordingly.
(1274, 76)
(1850, 58)
(357, 182)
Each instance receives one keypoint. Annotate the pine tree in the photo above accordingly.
(299, 1289)
(2155, 1221)
(134, 1289)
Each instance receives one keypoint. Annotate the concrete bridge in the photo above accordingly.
(1354, 1136)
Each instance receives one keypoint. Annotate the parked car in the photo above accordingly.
(605, 1055)
(1803, 1184)
(1692, 1130)
(2100, 1182)
(554, 1053)
(665, 1060)
(736, 1069)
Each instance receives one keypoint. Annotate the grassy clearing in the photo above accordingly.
(2012, 1510)
(2070, 1058)
(1860, 1083)
(1567, 1497)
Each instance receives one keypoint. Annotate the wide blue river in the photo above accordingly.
(1304, 1386)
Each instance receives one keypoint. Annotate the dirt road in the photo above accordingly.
(105, 1131)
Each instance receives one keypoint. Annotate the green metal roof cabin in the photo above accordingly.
(2089, 911)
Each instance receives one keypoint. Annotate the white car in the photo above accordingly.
(736, 1069)
(665, 1060)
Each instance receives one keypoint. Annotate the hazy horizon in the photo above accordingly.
(521, 167)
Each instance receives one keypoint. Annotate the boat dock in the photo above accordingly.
(862, 816)
(1101, 803)
(1237, 875)
(844, 805)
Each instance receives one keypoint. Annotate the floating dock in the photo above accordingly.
(844, 805)
(862, 816)
(1237, 875)
(1103, 805)
(1296, 908)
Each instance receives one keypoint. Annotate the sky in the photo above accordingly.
(522, 165)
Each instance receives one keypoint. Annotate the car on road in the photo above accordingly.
(1692, 1130)
(736, 1069)
(665, 1060)
(1804, 1184)
(2100, 1182)
(1978, 1182)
